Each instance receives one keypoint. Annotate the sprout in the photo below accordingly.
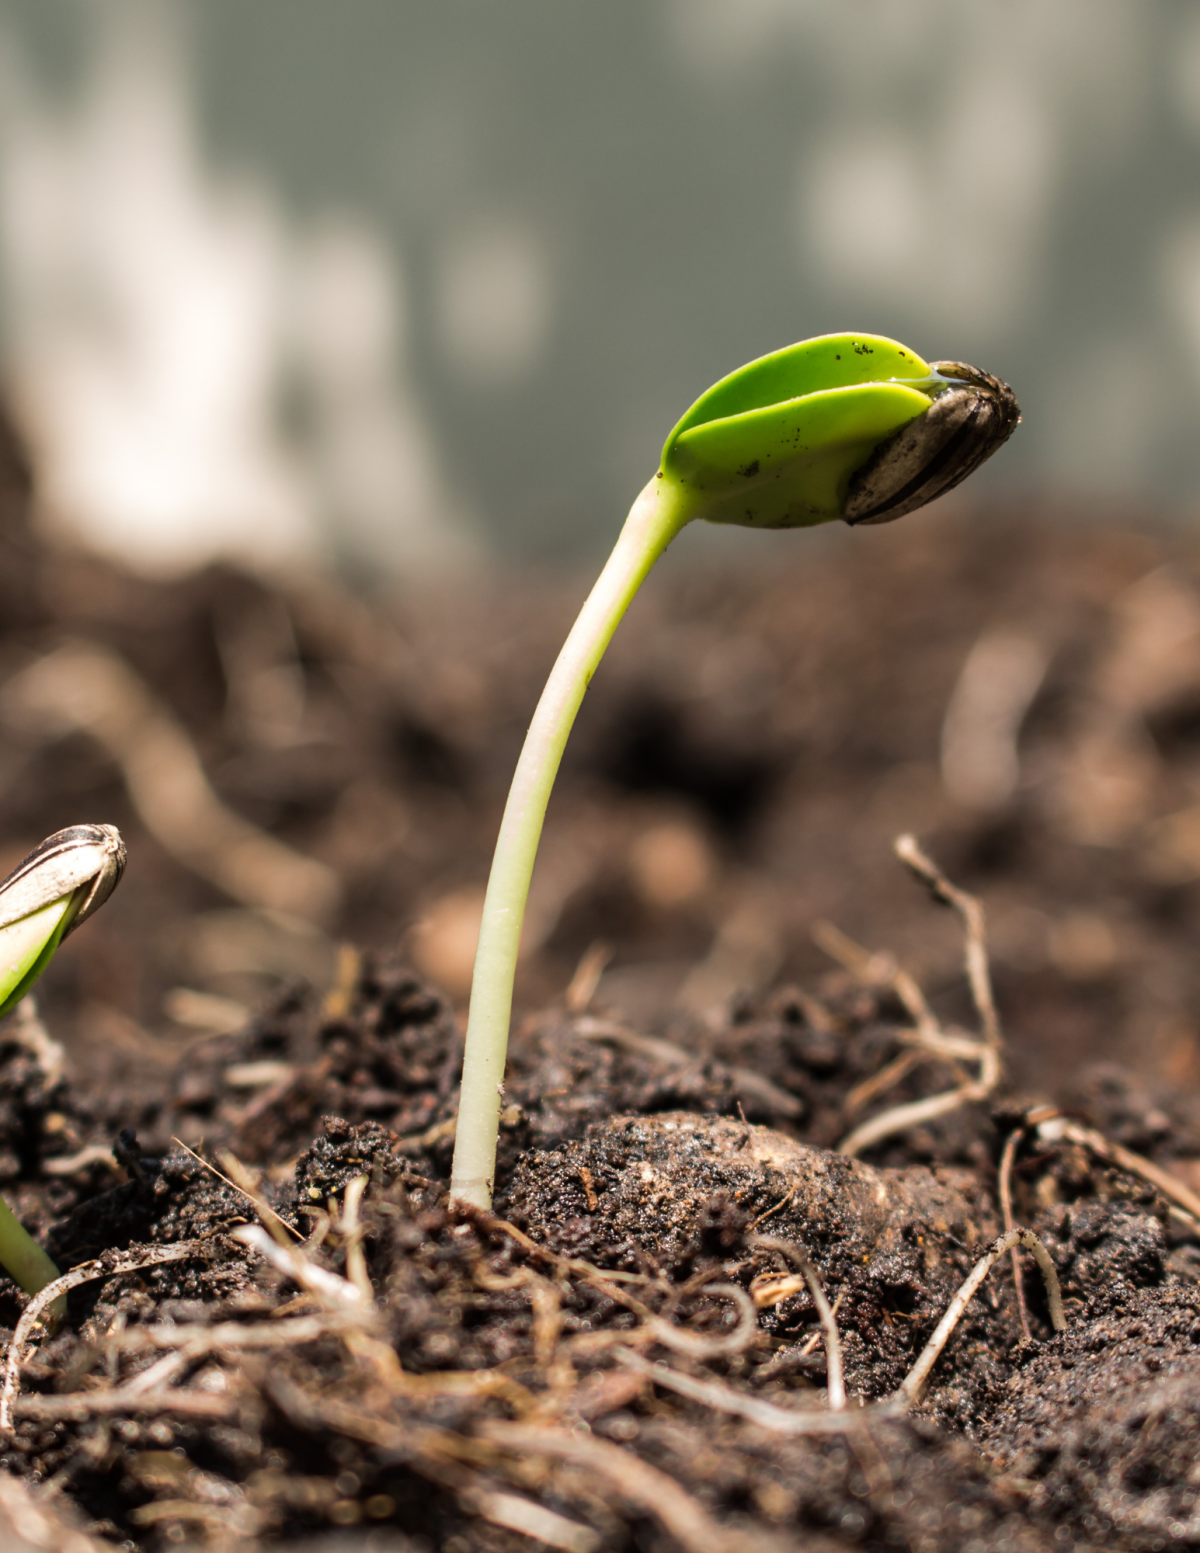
(848, 426)
(58, 886)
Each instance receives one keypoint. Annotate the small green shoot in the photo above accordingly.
(849, 426)
(58, 886)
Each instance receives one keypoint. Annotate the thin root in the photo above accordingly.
(108, 1266)
(767, 1415)
(914, 1382)
(835, 1381)
(1053, 1128)
(1011, 1144)
(928, 1037)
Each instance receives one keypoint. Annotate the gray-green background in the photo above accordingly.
(390, 280)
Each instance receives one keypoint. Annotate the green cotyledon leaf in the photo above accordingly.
(774, 444)
(817, 431)
(27, 947)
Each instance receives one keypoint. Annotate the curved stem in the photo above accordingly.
(24, 1260)
(654, 519)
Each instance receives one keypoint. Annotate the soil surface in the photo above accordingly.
(233, 1113)
(582, 1371)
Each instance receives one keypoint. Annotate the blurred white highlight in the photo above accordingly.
(149, 331)
(375, 461)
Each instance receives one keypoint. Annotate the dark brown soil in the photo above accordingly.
(513, 1343)
(740, 769)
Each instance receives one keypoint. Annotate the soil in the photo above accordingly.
(558, 1325)
(626, 1355)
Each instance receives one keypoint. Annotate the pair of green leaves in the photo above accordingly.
(850, 426)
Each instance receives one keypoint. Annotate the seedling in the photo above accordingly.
(848, 426)
(58, 886)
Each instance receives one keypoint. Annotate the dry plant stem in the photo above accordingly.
(809, 1344)
(879, 1083)
(78, 1407)
(901, 1117)
(356, 1262)
(653, 521)
(694, 1344)
(644, 1487)
(267, 1213)
(517, 1513)
(767, 1415)
(582, 988)
(214, 1519)
(442, 1458)
(82, 686)
(773, 1210)
(333, 1292)
(1005, 1190)
(1125, 1159)
(877, 970)
(243, 1181)
(199, 1340)
(33, 1514)
(489, 1222)
(928, 1035)
(104, 1267)
(161, 1374)
(68, 1164)
(971, 912)
(28, 1029)
(914, 1382)
(355, 1301)
(835, 1382)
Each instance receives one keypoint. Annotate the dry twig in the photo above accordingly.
(1011, 1144)
(877, 970)
(928, 1037)
(642, 1486)
(914, 1382)
(970, 911)
(519, 1514)
(901, 1117)
(695, 1344)
(332, 1291)
(835, 1382)
(356, 1262)
(880, 1082)
(767, 1415)
(111, 1265)
(1052, 1129)
(583, 984)
(78, 1406)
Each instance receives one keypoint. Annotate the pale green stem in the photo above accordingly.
(26, 948)
(24, 1260)
(654, 519)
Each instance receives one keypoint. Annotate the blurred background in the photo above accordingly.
(387, 281)
(335, 343)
